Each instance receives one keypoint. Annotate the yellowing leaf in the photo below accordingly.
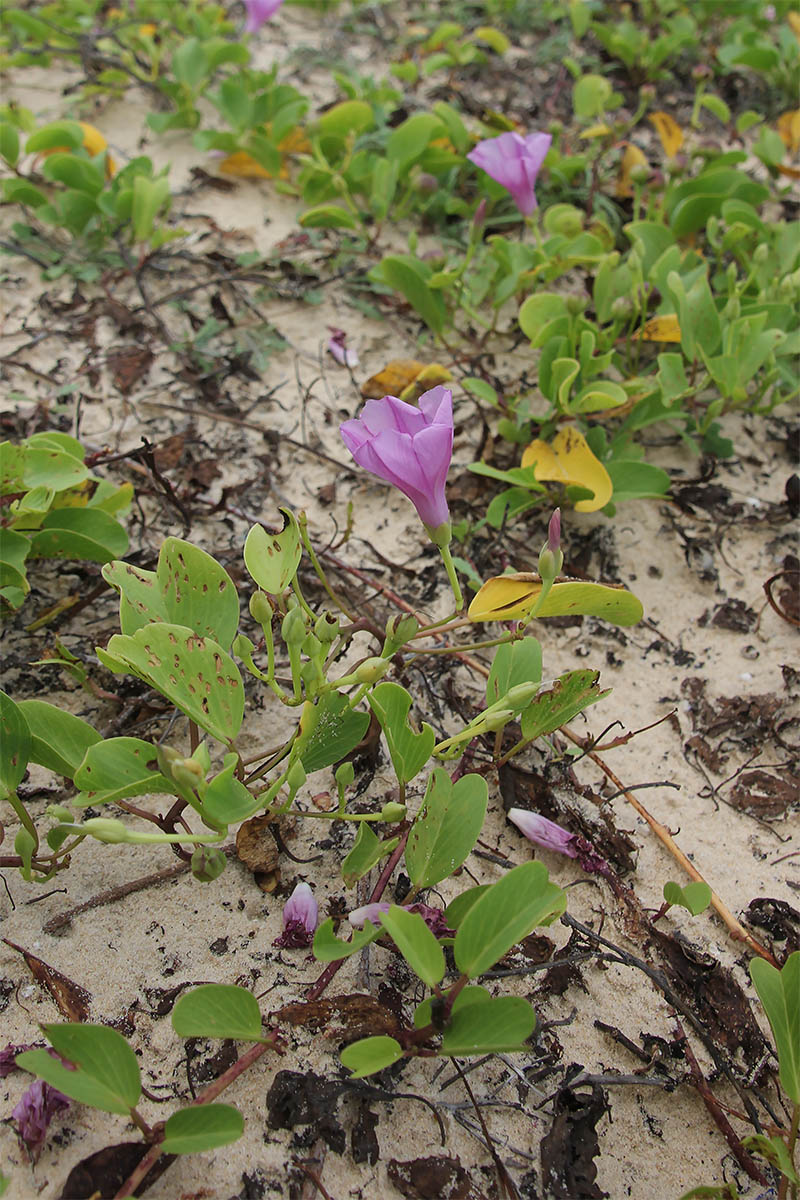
(632, 157)
(243, 166)
(595, 131)
(569, 460)
(788, 126)
(93, 142)
(512, 597)
(405, 378)
(791, 172)
(794, 23)
(295, 142)
(669, 131)
(147, 30)
(660, 329)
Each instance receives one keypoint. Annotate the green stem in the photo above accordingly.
(302, 522)
(791, 1143)
(447, 558)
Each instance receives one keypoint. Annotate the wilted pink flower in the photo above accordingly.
(259, 11)
(300, 914)
(434, 918)
(409, 447)
(551, 836)
(514, 162)
(34, 1113)
(8, 1057)
(336, 347)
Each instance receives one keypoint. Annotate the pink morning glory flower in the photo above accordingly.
(551, 836)
(514, 162)
(300, 913)
(259, 11)
(409, 447)
(434, 918)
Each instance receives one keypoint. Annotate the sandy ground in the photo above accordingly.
(684, 565)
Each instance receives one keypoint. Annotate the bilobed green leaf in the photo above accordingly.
(446, 828)
(779, 992)
(409, 276)
(197, 591)
(272, 558)
(140, 600)
(328, 948)
(192, 1130)
(107, 1075)
(218, 1010)
(59, 739)
(194, 673)
(506, 913)
(570, 694)
(50, 467)
(15, 740)
(513, 663)
(337, 731)
(696, 896)
(117, 768)
(416, 943)
(328, 216)
(86, 533)
(493, 1026)
(697, 315)
(367, 851)
(371, 1055)
(409, 751)
(149, 197)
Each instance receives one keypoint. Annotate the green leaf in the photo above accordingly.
(85, 533)
(107, 1075)
(371, 1055)
(695, 896)
(408, 141)
(194, 673)
(14, 549)
(117, 768)
(543, 316)
(633, 480)
(272, 559)
(328, 948)
(779, 992)
(59, 740)
(349, 116)
(55, 135)
(491, 1026)
(190, 63)
(51, 467)
(19, 191)
(197, 591)
(590, 96)
(15, 739)
(457, 909)
(192, 1130)
(570, 694)
(513, 663)
(697, 315)
(512, 597)
(76, 173)
(9, 143)
(409, 751)
(149, 197)
(409, 276)
(506, 913)
(328, 216)
(218, 1010)
(226, 800)
(775, 1151)
(416, 943)
(367, 851)
(338, 730)
(446, 828)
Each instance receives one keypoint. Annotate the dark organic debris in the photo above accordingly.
(732, 614)
(70, 998)
(363, 1139)
(766, 794)
(781, 921)
(433, 1178)
(360, 1016)
(570, 1147)
(310, 1099)
(102, 1174)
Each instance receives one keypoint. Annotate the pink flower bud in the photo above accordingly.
(300, 913)
(337, 347)
(554, 531)
(550, 836)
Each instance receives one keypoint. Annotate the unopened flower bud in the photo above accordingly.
(399, 630)
(326, 627)
(427, 183)
(576, 305)
(498, 719)
(371, 669)
(260, 608)
(479, 216)
(622, 308)
(105, 829)
(393, 812)
(311, 646)
(59, 812)
(345, 774)
(640, 173)
(296, 776)
(300, 914)
(518, 696)
(208, 863)
(293, 627)
(761, 254)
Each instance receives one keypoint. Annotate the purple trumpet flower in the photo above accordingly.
(259, 11)
(514, 162)
(550, 836)
(300, 913)
(33, 1114)
(409, 447)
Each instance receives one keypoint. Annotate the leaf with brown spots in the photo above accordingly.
(71, 1000)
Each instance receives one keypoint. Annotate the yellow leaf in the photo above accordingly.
(660, 329)
(794, 23)
(295, 142)
(788, 126)
(243, 166)
(569, 460)
(632, 157)
(428, 377)
(669, 131)
(405, 378)
(791, 172)
(93, 142)
(596, 131)
(512, 597)
(147, 30)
